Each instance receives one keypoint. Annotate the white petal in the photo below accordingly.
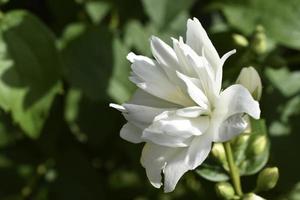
(236, 99)
(131, 133)
(174, 162)
(191, 112)
(175, 168)
(141, 116)
(117, 107)
(231, 127)
(219, 73)
(196, 37)
(199, 150)
(194, 91)
(164, 54)
(206, 76)
(163, 139)
(182, 51)
(153, 159)
(167, 59)
(150, 77)
(169, 129)
(140, 97)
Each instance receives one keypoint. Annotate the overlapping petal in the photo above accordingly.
(172, 130)
(173, 162)
(148, 75)
(227, 119)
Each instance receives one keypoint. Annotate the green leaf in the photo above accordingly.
(29, 70)
(280, 18)
(162, 12)
(97, 10)
(88, 57)
(288, 83)
(3, 2)
(120, 88)
(137, 36)
(212, 172)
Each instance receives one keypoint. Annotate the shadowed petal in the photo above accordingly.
(174, 162)
(131, 133)
(233, 102)
(169, 129)
(147, 75)
(197, 38)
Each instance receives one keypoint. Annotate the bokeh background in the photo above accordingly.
(63, 61)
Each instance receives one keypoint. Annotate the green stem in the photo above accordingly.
(234, 171)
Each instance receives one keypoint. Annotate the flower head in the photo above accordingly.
(179, 108)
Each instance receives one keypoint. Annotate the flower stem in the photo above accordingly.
(234, 171)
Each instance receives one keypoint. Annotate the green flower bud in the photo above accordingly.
(224, 190)
(240, 40)
(218, 152)
(252, 196)
(240, 140)
(259, 145)
(250, 79)
(259, 42)
(267, 179)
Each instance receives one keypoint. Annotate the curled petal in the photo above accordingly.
(169, 129)
(197, 38)
(131, 133)
(173, 162)
(227, 116)
(148, 75)
(140, 97)
(139, 115)
(219, 73)
(194, 91)
(191, 112)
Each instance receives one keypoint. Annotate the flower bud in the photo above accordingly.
(224, 190)
(259, 145)
(240, 40)
(218, 152)
(267, 179)
(241, 140)
(252, 196)
(259, 42)
(250, 79)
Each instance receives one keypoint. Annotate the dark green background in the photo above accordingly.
(63, 61)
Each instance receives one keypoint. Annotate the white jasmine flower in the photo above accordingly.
(179, 108)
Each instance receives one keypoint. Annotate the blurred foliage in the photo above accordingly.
(63, 62)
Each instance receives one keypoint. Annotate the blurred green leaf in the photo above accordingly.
(88, 57)
(279, 18)
(294, 194)
(162, 12)
(137, 36)
(287, 82)
(29, 69)
(4, 2)
(120, 88)
(97, 10)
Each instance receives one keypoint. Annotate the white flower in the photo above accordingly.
(179, 108)
(250, 79)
